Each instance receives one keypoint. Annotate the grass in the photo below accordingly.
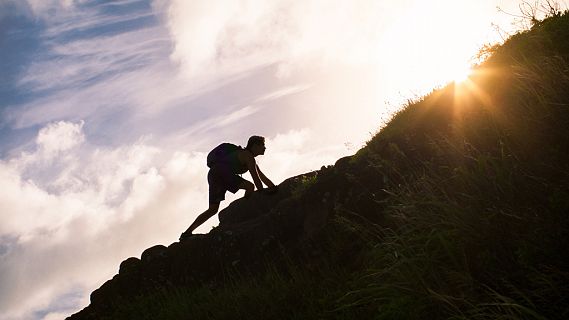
(478, 208)
(304, 184)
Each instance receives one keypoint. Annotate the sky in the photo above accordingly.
(108, 109)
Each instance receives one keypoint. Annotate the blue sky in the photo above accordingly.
(108, 108)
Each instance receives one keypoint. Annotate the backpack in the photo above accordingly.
(221, 154)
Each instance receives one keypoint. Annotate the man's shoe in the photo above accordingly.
(185, 235)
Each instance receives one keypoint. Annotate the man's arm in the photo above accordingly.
(252, 167)
(264, 178)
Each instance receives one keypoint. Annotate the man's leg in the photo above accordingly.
(248, 187)
(213, 207)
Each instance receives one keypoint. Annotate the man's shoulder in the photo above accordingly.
(245, 155)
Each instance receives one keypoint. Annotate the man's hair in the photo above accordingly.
(254, 140)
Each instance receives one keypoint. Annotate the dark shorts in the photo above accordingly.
(221, 180)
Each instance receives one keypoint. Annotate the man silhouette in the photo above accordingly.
(224, 177)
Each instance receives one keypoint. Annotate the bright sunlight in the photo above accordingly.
(436, 53)
(460, 74)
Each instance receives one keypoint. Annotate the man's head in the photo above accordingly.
(256, 145)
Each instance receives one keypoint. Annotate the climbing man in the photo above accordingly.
(227, 162)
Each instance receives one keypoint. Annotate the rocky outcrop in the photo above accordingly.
(251, 232)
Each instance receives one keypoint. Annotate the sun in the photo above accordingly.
(460, 74)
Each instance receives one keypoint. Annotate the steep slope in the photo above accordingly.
(458, 208)
(253, 234)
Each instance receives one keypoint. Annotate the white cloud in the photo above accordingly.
(291, 141)
(55, 316)
(226, 37)
(59, 137)
(283, 92)
(48, 8)
(79, 56)
(86, 75)
(22, 204)
(236, 116)
(296, 152)
(218, 121)
(82, 61)
(142, 91)
(124, 201)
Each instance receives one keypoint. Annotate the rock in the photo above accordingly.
(153, 253)
(342, 163)
(129, 265)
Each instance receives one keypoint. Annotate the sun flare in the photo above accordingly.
(460, 75)
(440, 52)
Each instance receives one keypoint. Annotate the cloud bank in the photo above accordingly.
(225, 37)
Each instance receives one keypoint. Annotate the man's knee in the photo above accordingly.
(213, 208)
(248, 186)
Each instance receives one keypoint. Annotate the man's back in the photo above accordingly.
(229, 157)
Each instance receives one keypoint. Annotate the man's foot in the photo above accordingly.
(185, 235)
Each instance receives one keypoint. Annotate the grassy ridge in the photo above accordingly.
(459, 210)
(480, 196)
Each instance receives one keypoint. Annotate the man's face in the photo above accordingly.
(259, 148)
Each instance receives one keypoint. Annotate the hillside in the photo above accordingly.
(458, 208)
